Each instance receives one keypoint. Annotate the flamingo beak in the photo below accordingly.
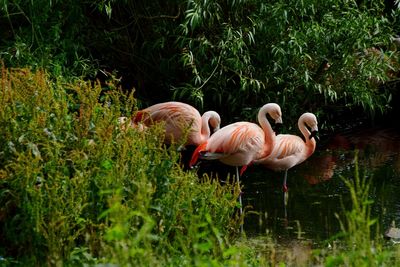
(314, 134)
(277, 128)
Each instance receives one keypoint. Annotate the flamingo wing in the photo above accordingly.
(287, 152)
(173, 113)
(178, 118)
(287, 145)
(236, 137)
(236, 144)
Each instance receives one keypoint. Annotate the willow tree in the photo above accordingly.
(302, 54)
(327, 57)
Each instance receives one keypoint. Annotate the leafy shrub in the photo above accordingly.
(306, 55)
(76, 189)
(327, 58)
(46, 34)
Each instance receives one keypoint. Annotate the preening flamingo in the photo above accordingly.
(123, 123)
(290, 150)
(240, 143)
(181, 121)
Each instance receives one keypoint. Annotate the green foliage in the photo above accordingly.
(137, 38)
(302, 54)
(306, 55)
(361, 248)
(75, 189)
(359, 221)
(46, 34)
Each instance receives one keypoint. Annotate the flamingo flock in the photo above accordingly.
(239, 144)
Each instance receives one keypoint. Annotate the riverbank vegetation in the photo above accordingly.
(77, 190)
(334, 57)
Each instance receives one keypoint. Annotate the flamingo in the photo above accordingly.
(123, 122)
(290, 150)
(240, 143)
(182, 122)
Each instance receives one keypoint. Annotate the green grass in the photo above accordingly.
(76, 190)
(362, 246)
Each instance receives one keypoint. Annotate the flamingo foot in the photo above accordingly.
(285, 188)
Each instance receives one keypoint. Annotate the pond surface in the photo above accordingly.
(317, 193)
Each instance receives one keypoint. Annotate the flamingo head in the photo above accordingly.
(275, 112)
(196, 154)
(310, 120)
(276, 115)
(214, 120)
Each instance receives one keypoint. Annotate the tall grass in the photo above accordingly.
(361, 246)
(75, 189)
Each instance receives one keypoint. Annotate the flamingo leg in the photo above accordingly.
(285, 201)
(285, 189)
(244, 167)
(240, 196)
(285, 198)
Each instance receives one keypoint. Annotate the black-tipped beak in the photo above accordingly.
(277, 128)
(314, 134)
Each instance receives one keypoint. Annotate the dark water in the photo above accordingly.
(317, 194)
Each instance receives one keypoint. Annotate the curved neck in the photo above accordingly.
(310, 143)
(269, 134)
(205, 127)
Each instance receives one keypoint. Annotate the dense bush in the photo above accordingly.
(328, 57)
(306, 55)
(76, 189)
(46, 34)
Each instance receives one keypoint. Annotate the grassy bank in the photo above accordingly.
(76, 190)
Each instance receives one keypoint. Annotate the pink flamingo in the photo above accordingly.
(124, 123)
(290, 150)
(240, 143)
(182, 122)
